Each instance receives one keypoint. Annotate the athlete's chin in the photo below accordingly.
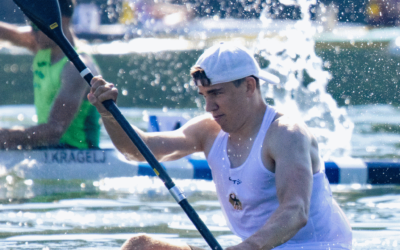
(223, 123)
(225, 128)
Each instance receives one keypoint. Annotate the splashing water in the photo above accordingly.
(302, 91)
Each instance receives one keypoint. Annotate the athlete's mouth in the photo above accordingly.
(217, 117)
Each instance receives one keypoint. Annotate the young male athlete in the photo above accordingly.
(269, 177)
(66, 118)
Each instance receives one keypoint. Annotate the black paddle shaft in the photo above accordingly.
(46, 15)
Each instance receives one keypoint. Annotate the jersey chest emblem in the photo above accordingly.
(237, 205)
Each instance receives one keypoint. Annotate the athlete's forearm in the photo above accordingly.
(121, 140)
(281, 227)
(12, 33)
(19, 138)
(7, 30)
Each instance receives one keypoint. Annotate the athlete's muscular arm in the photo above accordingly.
(66, 104)
(170, 145)
(13, 34)
(289, 148)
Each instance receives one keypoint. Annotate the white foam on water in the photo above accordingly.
(292, 57)
(86, 237)
(82, 203)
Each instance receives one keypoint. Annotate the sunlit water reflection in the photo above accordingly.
(111, 210)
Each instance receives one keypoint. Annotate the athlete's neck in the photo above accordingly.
(249, 129)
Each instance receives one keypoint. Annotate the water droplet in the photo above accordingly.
(28, 182)
(20, 117)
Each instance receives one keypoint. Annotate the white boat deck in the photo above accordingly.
(95, 164)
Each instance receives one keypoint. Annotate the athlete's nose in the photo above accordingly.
(210, 105)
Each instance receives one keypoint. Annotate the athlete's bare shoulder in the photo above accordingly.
(205, 120)
(287, 129)
(289, 135)
(283, 122)
(204, 129)
(203, 125)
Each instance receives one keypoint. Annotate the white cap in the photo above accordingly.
(228, 62)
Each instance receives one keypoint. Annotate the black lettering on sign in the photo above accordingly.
(75, 156)
(46, 158)
(80, 157)
(72, 157)
(88, 157)
(63, 157)
(101, 159)
(54, 157)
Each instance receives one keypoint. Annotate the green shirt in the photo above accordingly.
(84, 130)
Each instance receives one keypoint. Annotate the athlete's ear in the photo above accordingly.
(251, 85)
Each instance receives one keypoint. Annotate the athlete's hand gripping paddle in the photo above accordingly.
(45, 14)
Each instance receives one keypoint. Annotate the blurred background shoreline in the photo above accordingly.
(360, 48)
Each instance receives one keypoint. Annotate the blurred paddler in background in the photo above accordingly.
(65, 117)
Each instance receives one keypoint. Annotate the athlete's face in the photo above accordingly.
(226, 103)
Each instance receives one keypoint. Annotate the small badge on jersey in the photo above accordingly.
(235, 182)
(237, 205)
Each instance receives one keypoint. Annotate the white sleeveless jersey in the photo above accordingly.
(248, 197)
